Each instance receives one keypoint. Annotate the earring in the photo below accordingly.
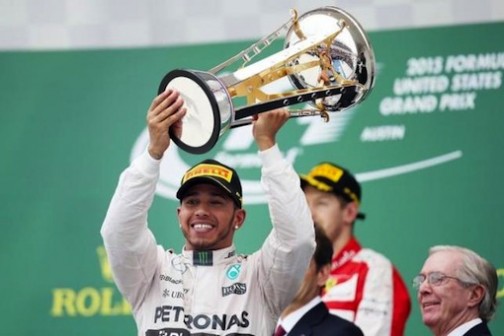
(236, 227)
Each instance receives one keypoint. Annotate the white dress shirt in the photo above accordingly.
(465, 327)
(290, 320)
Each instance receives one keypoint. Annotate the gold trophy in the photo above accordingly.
(327, 58)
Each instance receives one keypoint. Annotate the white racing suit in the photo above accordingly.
(213, 292)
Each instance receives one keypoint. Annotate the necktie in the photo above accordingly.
(280, 331)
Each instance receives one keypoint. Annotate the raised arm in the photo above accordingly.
(287, 251)
(130, 245)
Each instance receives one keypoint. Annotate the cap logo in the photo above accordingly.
(208, 170)
(327, 171)
(351, 194)
(317, 184)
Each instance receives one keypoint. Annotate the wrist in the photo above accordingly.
(266, 143)
(155, 154)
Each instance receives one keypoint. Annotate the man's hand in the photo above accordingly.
(266, 126)
(164, 113)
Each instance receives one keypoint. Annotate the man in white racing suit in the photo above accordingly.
(208, 289)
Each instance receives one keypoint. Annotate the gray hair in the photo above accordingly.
(476, 270)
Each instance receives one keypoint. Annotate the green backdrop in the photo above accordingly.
(427, 146)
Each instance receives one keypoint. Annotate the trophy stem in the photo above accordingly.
(292, 114)
(310, 95)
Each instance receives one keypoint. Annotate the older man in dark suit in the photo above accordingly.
(457, 292)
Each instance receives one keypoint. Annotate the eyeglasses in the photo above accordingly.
(434, 279)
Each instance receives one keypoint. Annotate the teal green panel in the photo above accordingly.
(69, 121)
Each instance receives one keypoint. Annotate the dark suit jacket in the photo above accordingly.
(319, 322)
(479, 330)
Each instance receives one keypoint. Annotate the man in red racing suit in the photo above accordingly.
(364, 287)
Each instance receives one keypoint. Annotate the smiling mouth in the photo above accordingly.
(201, 227)
(427, 305)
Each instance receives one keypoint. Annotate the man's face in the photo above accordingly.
(327, 211)
(207, 217)
(444, 306)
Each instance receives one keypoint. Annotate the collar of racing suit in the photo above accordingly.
(210, 257)
(347, 253)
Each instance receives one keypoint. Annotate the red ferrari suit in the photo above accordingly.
(365, 288)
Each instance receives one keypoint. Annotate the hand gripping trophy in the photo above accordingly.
(327, 58)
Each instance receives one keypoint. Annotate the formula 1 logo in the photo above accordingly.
(237, 150)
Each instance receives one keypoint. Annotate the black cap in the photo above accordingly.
(216, 173)
(329, 177)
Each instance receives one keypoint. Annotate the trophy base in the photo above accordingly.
(209, 109)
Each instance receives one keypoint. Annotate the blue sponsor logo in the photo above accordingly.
(233, 271)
